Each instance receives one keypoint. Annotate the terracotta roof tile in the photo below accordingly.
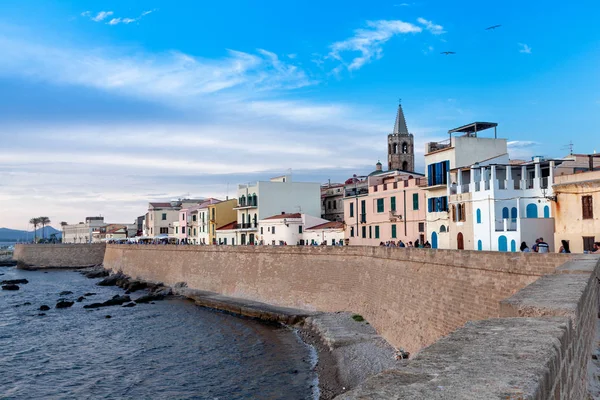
(229, 226)
(282, 216)
(328, 225)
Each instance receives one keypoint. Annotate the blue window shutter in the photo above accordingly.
(430, 174)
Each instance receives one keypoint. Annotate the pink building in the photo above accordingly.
(393, 209)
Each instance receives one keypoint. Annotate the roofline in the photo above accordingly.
(472, 127)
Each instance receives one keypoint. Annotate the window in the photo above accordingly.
(395, 185)
(393, 203)
(421, 226)
(273, 230)
(164, 216)
(213, 230)
(379, 205)
(415, 201)
(374, 188)
(588, 243)
(194, 218)
(329, 205)
(351, 209)
(478, 216)
(370, 232)
(437, 204)
(300, 229)
(183, 216)
(225, 241)
(213, 213)
(194, 231)
(376, 231)
(176, 229)
(351, 231)
(393, 231)
(363, 211)
(364, 232)
(183, 230)
(164, 230)
(463, 212)
(437, 173)
(404, 148)
(335, 205)
(261, 230)
(587, 207)
(385, 186)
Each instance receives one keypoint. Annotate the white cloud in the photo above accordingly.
(428, 50)
(102, 15)
(368, 42)
(524, 48)
(431, 27)
(85, 14)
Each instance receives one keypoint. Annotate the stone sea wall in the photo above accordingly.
(58, 255)
(411, 296)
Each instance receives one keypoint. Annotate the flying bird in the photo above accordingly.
(492, 27)
(447, 52)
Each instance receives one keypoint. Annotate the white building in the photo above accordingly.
(286, 228)
(227, 234)
(331, 233)
(440, 158)
(82, 232)
(263, 199)
(160, 217)
(505, 204)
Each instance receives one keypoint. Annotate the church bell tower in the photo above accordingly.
(401, 151)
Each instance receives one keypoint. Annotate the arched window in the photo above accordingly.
(389, 148)
(243, 218)
(479, 245)
(513, 214)
(404, 166)
(502, 243)
(460, 244)
(513, 246)
(442, 228)
(434, 240)
(453, 212)
(479, 217)
(531, 211)
(505, 213)
(463, 212)
(395, 148)
(254, 200)
(404, 148)
(255, 218)
(546, 212)
(243, 201)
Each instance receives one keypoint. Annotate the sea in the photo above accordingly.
(172, 349)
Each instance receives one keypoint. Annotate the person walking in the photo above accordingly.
(543, 246)
(524, 248)
(565, 247)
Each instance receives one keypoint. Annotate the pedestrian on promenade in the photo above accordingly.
(410, 244)
(524, 248)
(534, 248)
(565, 247)
(401, 244)
(543, 246)
(596, 248)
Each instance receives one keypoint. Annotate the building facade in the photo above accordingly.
(82, 232)
(286, 229)
(577, 210)
(161, 216)
(401, 149)
(267, 198)
(220, 213)
(332, 202)
(393, 209)
(441, 157)
(498, 205)
(331, 233)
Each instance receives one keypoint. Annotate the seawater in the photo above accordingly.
(172, 349)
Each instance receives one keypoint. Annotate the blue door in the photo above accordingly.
(531, 211)
(434, 243)
(513, 246)
(502, 243)
(546, 212)
(479, 245)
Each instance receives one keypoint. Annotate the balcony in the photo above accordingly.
(246, 225)
(358, 192)
(246, 204)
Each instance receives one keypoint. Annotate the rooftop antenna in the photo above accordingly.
(569, 146)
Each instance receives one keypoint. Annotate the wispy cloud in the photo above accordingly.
(101, 16)
(521, 144)
(431, 27)
(402, 5)
(523, 48)
(428, 50)
(368, 42)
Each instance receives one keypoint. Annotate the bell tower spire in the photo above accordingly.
(401, 153)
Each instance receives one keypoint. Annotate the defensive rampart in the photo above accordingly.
(58, 255)
(411, 296)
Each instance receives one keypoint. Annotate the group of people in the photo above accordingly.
(400, 243)
(542, 247)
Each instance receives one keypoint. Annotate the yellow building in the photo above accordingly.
(577, 210)
(220, 214)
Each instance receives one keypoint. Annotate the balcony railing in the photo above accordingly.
(453, 189)
(517, 184)
(359, 192)
(544, 183)
(502, 184)
(464, 188)
(246, 225)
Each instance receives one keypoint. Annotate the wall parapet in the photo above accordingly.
(59, 255)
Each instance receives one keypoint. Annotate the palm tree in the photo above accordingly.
(35, 222)
(44, 221)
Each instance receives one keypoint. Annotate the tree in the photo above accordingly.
(44, 221)
(35, 222)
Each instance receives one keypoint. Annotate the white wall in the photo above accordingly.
(288, 232)
(228, 235)
(327, 235)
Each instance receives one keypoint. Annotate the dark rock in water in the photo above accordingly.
(10, 287)
(107, 316)
(96, 273)
(8, 263)
(132, 304)
(45, 273)
(111, 280)
(41, 314)
(65, 293)
(14, 282)
(44, 307)
(64, 304)
(27, 303)
(180, 285)
(162, 290)
(115, 301)
(134, 286)
(149, 297)
(80, 299)
(89, 294)
(128, 292)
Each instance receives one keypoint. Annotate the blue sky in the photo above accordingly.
(105, 105)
